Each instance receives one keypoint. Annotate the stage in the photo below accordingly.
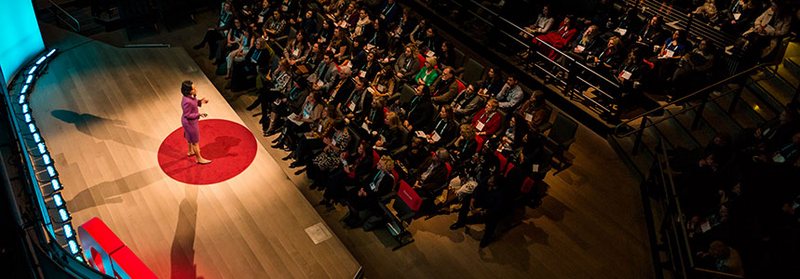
(105, 112)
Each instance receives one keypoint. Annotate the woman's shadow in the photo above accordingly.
(106, 129)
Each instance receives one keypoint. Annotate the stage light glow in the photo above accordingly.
(56, 184)
(73, 246)
(27, 118)
(41, 59)
(24, 89)
(46, 159)
(33, 69)
(68, 230)
(32, 128)
(58, 200)
(51, 171)
(25, 108)
(51, 52)
(21, 99)
(42, 148)
(37, 138)
(64, 215)
(29, 79)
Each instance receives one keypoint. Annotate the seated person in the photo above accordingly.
(392, 134)
(419, 110)
(558, 39)
(487, 120)
(738, 16)
(300, 121)
(629, 76)
(543, 23)
(383, 85)
(445, 87)
(428, 73)
(694, 67)
(535, 111)
(337, 141)
(363, 200)
(432, 174)
(357, 103)
(491, 84)
(443, 129)
(651, 35)
(296, 49)
(510, 96)
(587, 43)
(765, 34)
(607, 59)
(275, 26)
(369, 68)
(407, 65)
(707, 11)
(324, 74)
(466, 104)
(355, 167)
(464, 146)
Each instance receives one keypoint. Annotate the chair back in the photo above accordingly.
(409, 196)
(527, 185)
(406, 93)
(472, 71)
(460, 85)
(563, 130)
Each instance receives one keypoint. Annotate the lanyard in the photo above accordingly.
(388, 9)
(437, 130)
(484, 119)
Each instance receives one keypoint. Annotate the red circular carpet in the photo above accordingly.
(229, 145)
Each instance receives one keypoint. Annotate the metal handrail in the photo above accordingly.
(618, 129)
(545, 43)
(76, 27)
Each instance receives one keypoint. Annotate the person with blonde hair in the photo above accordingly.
(428, 73)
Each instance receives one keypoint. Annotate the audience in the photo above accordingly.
(334, 91)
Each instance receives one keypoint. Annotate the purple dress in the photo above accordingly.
(190, 117)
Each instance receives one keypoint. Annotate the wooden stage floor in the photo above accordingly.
(119, 106)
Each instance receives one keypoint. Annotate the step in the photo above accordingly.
(776, 88)
(744, 113)
(719, 120)
(765, 88)
(751, 99)
(790, 70)
(704, 133)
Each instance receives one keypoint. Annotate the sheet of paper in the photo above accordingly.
(421, 134)
(292, 118)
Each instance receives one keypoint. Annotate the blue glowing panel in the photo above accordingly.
(73, 246)
(21, 39)
(64, 215)
(56, 184)
(58, 200)
(68, 231)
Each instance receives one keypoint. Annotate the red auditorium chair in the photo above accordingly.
(405, 204)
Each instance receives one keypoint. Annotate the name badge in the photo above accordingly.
(319, 129)
(362, 74)
(351, 106)
(365, 126)
(435, 137)
(736, 16)
(528, 117)
(479, 126)
(669, 53)
(625, 75)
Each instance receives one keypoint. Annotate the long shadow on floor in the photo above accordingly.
(182, 264)
(106, 129)
(111, 191)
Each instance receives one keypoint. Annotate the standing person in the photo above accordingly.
(191, 115)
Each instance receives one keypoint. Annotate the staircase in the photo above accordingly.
(743, 101)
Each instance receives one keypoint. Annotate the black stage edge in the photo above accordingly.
(474, 45)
